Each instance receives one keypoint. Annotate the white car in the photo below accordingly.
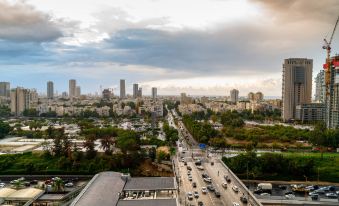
(2, 184)
(235, 188)
(70, 184)
(190, 195)
(208, 179)
(235, 204)
(200, 167)
(265, 194)
(290, 196)
(204, 190)
(190, 178)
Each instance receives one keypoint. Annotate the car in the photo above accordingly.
(185, 163)
(228, 180)
(290, 196)
(190, 178)
(282, 187)
(189, 167)
(200, 203)
(200, 167)
(183, 159)
(244, 199)
(331, 195)
(212, 163)
(224, 185)
(235, 188)
(190, 196)
(314, 197)
(208, 179)
(194, 184)
(204, 175)
(210, 187)
(328, 188)
(268, 194)
(34, 182)
(217, 193)
(319, 191)
(188, 172)
(235, 204)
(204, 190)
(196, 194)
(69, 184)
(2, 184)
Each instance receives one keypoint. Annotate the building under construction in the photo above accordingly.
(332, 99)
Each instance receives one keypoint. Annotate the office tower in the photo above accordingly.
(5, 89)
(72, 88)
(332, 99)
(135, 90)
(234, 95)
(20, 100)
(122, 89)
(296, 85)
(320, 88)
(50, 90)
(77, 91)
(250, 96)
(259, 96)
(154, 92)
(140, 92)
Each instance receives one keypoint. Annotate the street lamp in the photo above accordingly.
(305, 183)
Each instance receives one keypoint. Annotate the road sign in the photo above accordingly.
(202, 146)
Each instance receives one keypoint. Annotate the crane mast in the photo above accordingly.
(327, 46)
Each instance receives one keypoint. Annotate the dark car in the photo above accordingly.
(243, 199)
(194, 184)
(212, 163)
(204, 175)
(200, 203)
(217, 193)
(189, 167)
(210, 187)
(314, 197)
(282, 187)
(227, 178)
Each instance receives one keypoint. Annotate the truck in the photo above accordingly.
(264, 188)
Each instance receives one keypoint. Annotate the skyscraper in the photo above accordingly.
(72, 88)
(122, 89)
(135, 90)
(50, 90)
(154, 92)
(77, 91)
(234, 95)
(296, 85)
(5, 89)
(320, 88)
(140, 92)
(259, 96)
(20, 100)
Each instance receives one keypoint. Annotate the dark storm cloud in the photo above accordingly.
(21, 22)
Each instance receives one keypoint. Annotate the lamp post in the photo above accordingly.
(305, 183)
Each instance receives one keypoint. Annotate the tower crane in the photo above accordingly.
(327, 46)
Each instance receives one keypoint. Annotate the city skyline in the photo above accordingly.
(174, 49)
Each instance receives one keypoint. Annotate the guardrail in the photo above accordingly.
(251, 198)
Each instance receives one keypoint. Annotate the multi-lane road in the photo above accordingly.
(189, 152)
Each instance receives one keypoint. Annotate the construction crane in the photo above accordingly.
(327, 68)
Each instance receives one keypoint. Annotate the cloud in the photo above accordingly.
(22, 23)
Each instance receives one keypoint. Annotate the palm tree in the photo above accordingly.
(58, 185)
(107, 144)
(17, 184)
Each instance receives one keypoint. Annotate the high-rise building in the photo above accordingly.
(107, 94)
(50, 90)
(296, 85)
(20, 100)
(332, 99)
(250, 96)
(77, 92)
(5, 89)
(72, 88)
(320, 88)
(259, 96)
(234, 95)
(135, 90)
(122, 89)
(154, 92)
(140, 92)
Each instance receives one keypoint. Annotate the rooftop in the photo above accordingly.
(103, 190)
(5, 192)
(150, 183)
(25, 194)
(152, 202)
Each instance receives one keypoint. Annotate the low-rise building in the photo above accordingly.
(311, 112)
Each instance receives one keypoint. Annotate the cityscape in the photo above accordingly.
(169, 103)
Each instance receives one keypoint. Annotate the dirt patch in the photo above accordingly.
(149, 169)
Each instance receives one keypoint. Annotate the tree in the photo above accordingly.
(89, 145)
(107, 143)
(58, 185)
(5, 128)
(127, 141)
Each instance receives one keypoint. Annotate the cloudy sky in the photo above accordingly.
(194, 46)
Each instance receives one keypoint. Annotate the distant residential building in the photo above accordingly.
(5, 89)
(72, 88)
(296, 85)
(250, 96)
(184, 99)
(107, 94)
(78, 91)
(122, 89)
(135, 90)
(50, 90)
(20, 100)
(310, 112)
(259, 96)
(320, 88)
(234, 93)
(154, 92)
(64, 95)
(140, 92)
